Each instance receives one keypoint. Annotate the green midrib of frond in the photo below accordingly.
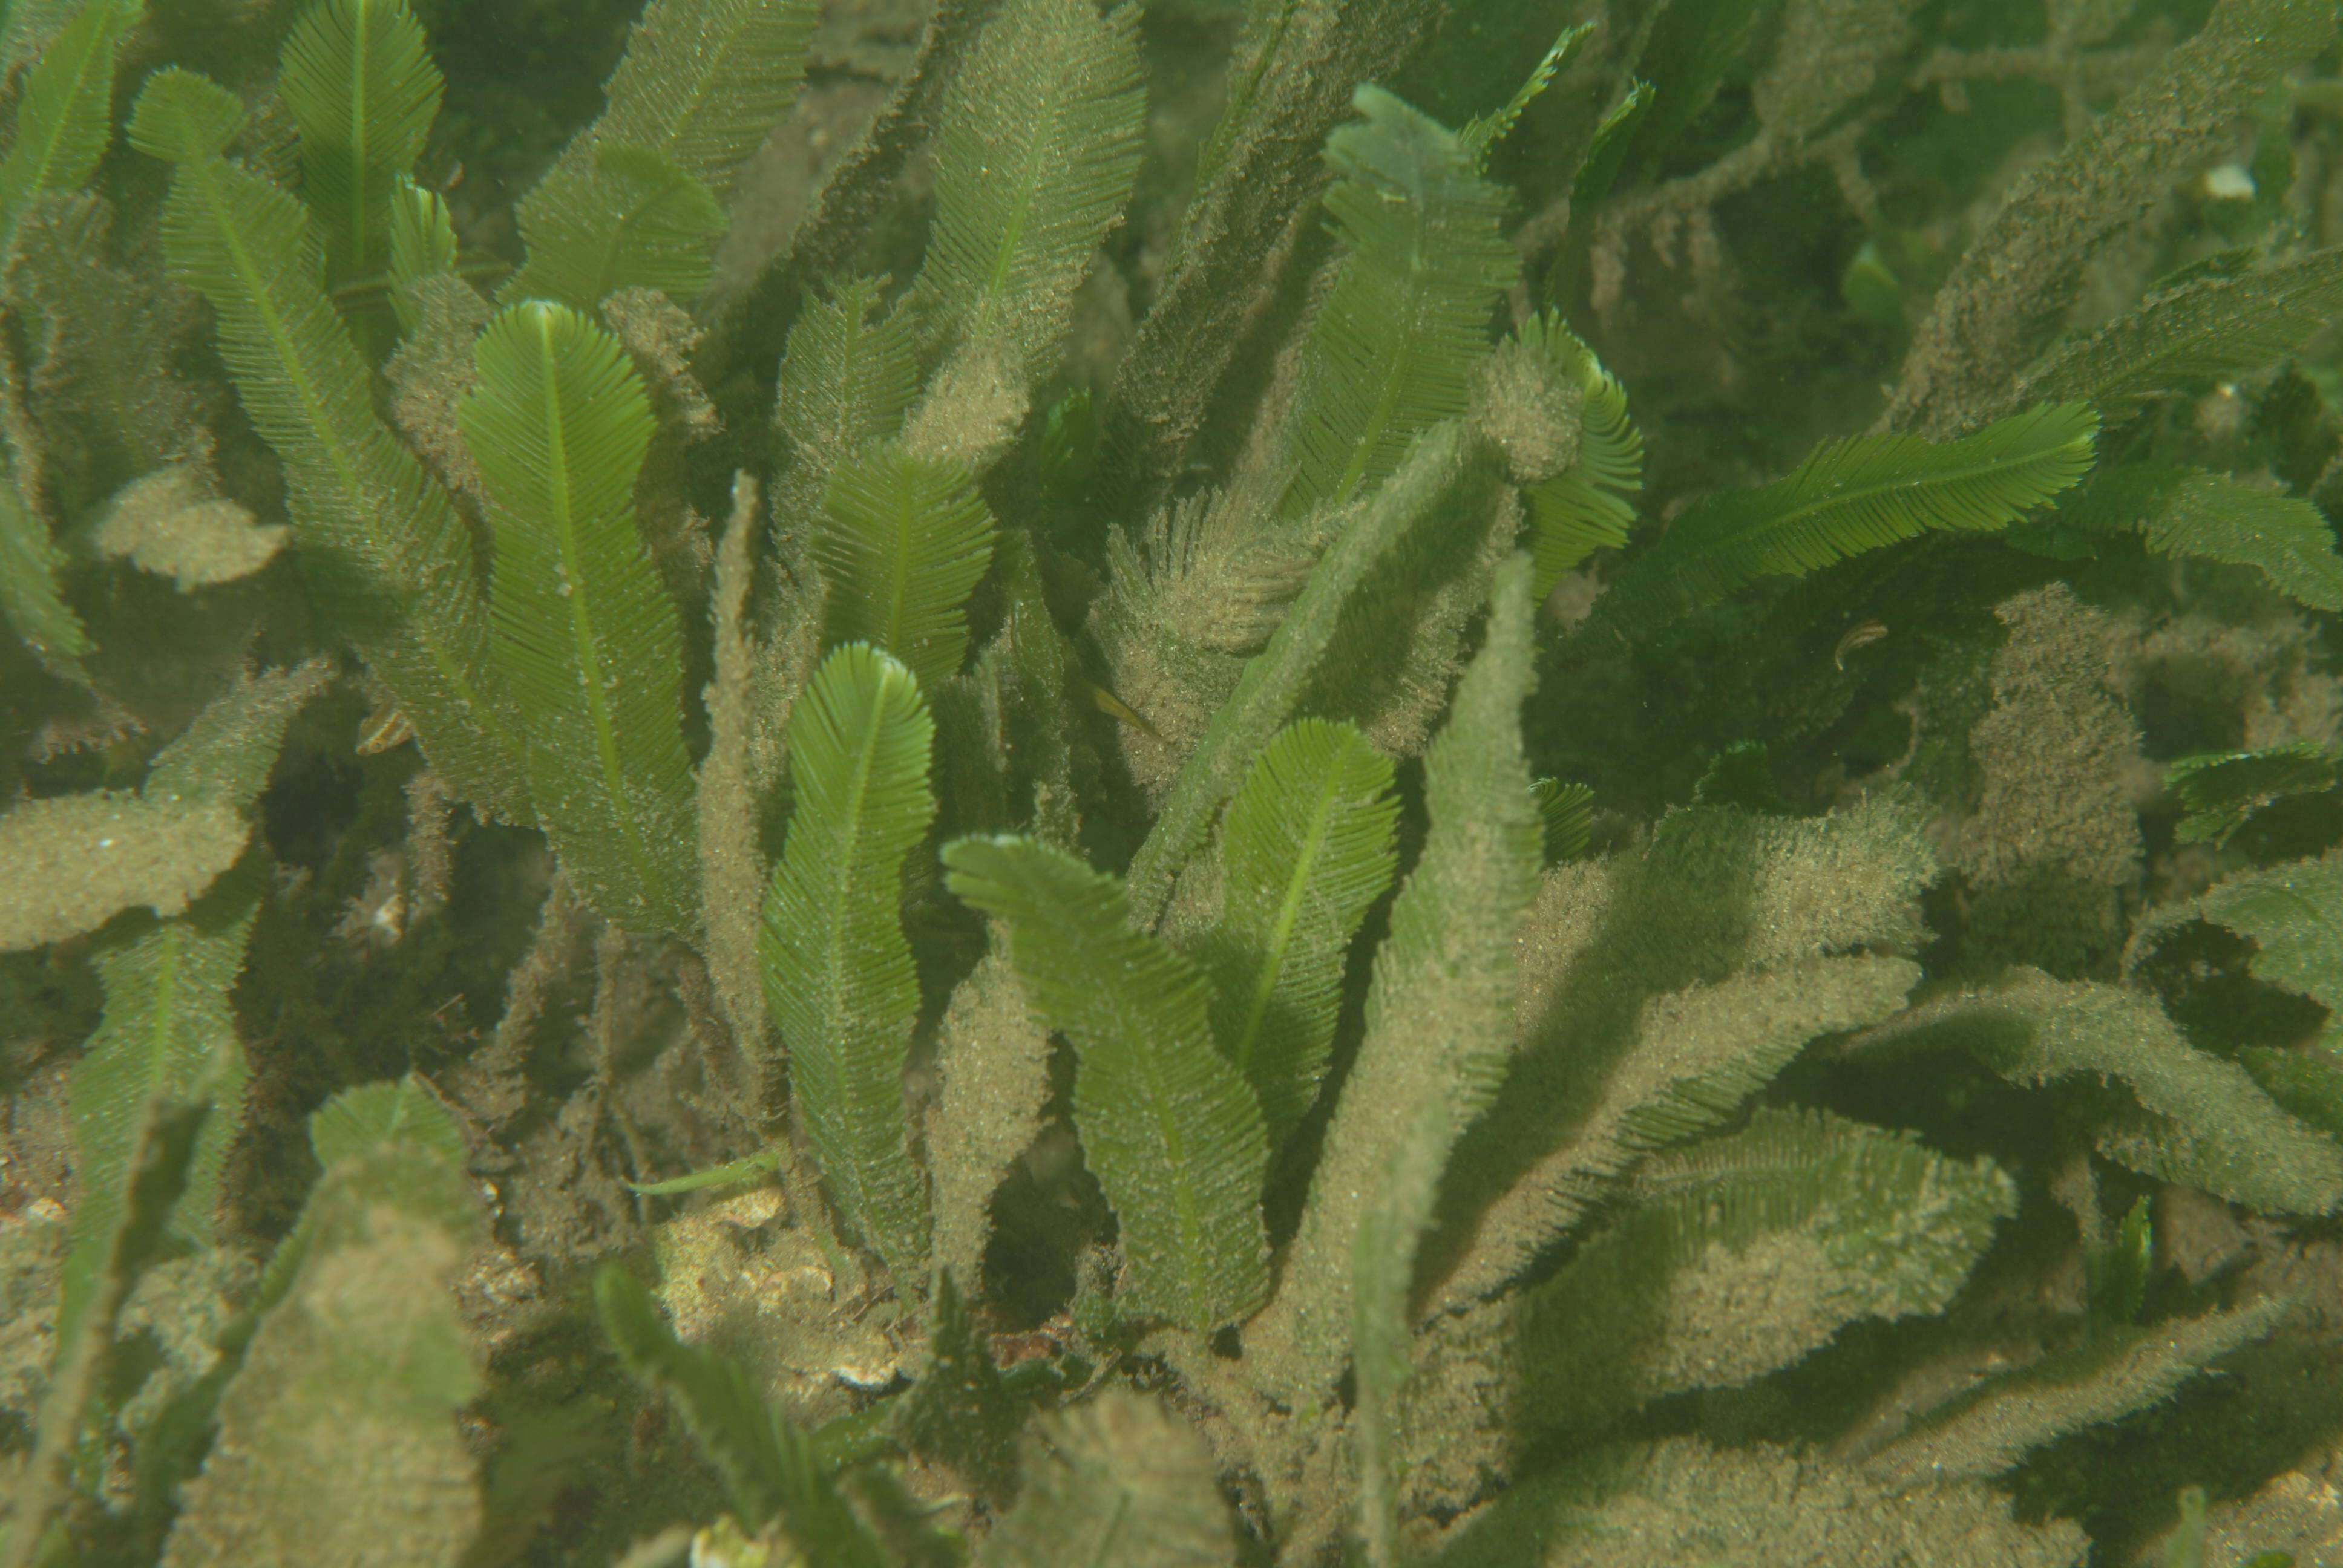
(591, 674)
(1938, 480)
(1012, 232)
(356, 138)
(53, 137)
(347, 472)
(1289, 914)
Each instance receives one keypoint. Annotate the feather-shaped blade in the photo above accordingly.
(1585, 508)
(846, 378)
(1037, 156)
(2190, 512)
(837, 966)
(902, 541)
(701, 83)
(422, 242)
(585, 636)
(1306, 847)
(358, 78)
(1858, 494)
(64, 109)
(1166, 1123)
(1392, 351)
(381, 546)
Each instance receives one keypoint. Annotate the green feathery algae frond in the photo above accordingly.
(2196, 330)
(1036, 156)
(1824, 1220)
(1392, 351)
(768, 1466)
(1306, 847)
(837, 969)
(1585, 508)
(383, 549)
(846, 378)
(1606, 151)
(1566, 817)
(2293, 912)
(1168, 1126)
(2202, 1119)
(2190, 512)
(358, 78)
(2219, 791)
(29, 597)
(422, 242)
(638, 198)
(1853, 496)
(64, 109)
(1484, 132)
(585, 635)
(166, 1035)
(1440, 1008)
(902, 541)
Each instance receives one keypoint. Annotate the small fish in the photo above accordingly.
(1108, 702)
(1862, 636)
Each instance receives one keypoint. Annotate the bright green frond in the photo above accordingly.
(1392, 351)
(64, 109)
(383, 550)
(1167, 1124)
(2190, 512)
(585, 635)
(1307, 845)
(638, 197)
(422, 242)
(1587, 506)
(837, 969)
(902, 541)
(1854, 495)
(1606, 153)
(358, 78)
(1036, 156)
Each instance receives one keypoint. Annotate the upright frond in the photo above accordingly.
(1853, 496)
(30, 598)
(846, 378)
(358, 78)
(837, 969)
(1036, 156)
(1392, 351)
(637, 198)
(1306, 847)
(64, 109)
(383, 549)
(422, 242)
(1167, 1124)
(903, 540)
(585, 636)
(1587, 506)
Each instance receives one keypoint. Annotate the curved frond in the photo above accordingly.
(2190, 512)
(422, 242)
(1167, 1124)
(1854, 495)
(34, 608)
(837, 966)
(1392, 351)
(1306, 847)
(1585, 508)
(358, 78)
(585, 635)
(903, 541)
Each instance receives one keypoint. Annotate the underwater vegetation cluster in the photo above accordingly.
(1367, 782)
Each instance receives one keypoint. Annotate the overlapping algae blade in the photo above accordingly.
(1220, 874)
